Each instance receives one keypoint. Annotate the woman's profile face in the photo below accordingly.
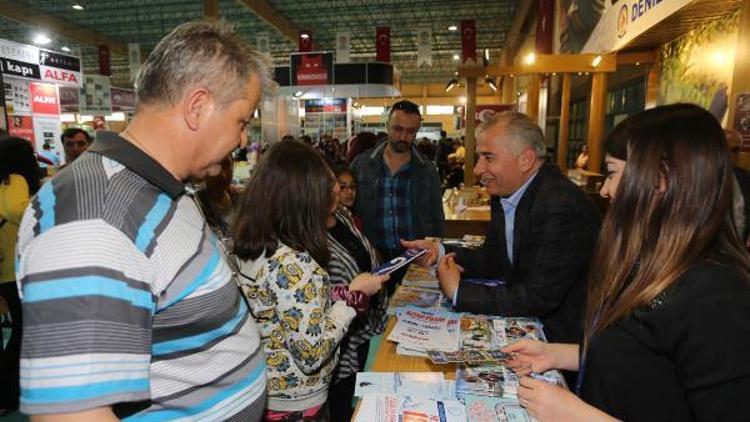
(614, 169)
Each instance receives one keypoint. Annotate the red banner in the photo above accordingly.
(21, 127)
(383, 44)
(104, 66)
(544, 26)
(304, 43)
(44, 99)
(468, 41)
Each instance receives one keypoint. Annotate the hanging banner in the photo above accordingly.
(134, 60)
(263, 43)
(104, 65)
(304, 43)
(70, 99)
(383, 44)
(44, 99)
(312, 69)
(468, 42)
(624, 21)
(424, 46)
(29, 62)
(544, 27)
(343, 47)
(123, 99)
(96, 95)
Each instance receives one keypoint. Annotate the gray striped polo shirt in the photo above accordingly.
(128, 301)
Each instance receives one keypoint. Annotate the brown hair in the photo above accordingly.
(287, 199)
(650, 235)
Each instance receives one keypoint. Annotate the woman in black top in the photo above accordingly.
(667, 333)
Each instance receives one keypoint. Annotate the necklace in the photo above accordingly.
(129, 135)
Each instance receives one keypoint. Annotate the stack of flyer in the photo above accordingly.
(419, 330)
(407, 396)
(495, 409)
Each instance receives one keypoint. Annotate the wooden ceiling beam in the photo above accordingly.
(547, 63)
(31, 16)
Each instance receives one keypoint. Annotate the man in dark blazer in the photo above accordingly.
(540, 240)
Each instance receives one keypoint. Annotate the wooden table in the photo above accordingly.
(470, 221)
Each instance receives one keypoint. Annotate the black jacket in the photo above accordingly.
(555, 231)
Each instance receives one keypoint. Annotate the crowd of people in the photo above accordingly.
(143, 298)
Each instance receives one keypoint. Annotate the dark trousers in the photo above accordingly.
(341, 392)
(10, 356)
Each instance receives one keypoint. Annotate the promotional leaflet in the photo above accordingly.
(392, 408)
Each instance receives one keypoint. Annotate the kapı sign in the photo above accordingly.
(623, 22)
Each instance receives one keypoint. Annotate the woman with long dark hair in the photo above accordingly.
(667, 331)
(19, 180)
(280, 237)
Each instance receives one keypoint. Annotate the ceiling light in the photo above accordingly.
(42, 39)
(456, 57)
(79, 6)
(451, 84)
(65, 49)
(491, 83)
(453, 28)
(597, 61)
(637, 63)
(304, 35)
(529, 59)
(487, 54)
(462, 100)
(298, 94)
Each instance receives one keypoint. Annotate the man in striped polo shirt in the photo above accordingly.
(130, 308)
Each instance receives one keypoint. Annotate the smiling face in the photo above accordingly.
(615, 167)
(503, 164)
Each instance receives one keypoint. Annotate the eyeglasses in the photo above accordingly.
(344, 186)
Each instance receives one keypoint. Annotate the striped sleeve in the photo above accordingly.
(88, 306)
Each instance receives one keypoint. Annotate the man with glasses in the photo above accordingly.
(399, 190)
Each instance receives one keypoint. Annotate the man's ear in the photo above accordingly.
(195, 105)
(526, 159)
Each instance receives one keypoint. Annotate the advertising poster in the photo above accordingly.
(29, 62)
(44, 99)
(17, 97)
(95, 96)
(70, 99)
(123, 99)
(47, 131)
(21, 127)
(742, 120)
(312, 69)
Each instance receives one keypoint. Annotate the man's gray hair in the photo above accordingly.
(524, 131)
(201, 53)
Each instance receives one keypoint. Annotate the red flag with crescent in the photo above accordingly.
(383, 44)
(104, 66)
(468, 41)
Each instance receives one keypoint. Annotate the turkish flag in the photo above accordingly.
(544, 26)
(305, 41)
(383, 44)
(104, 66)
(468, 41)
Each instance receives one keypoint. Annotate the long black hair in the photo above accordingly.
(287, 199)
(17, 157)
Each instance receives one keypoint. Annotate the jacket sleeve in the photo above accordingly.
(487, 260)
(312, 328)
(559, 258)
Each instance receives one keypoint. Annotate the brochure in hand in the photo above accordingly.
(404, 259)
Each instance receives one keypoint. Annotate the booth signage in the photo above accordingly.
(44, 99)
(312, 69)
(37, 64)
(623, 22)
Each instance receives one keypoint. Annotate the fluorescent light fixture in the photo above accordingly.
(456, 57)
(371, 111)
(529, 59)
(298, 94)
(42, 39)
(491, 83)
(487, 54)
(65, 49)
(78, 6)
(117, 116)
(462, 100)
(85, 118)
(304, 36)
(439, 109)
(68, 118)
(597, 61)
(451, 84)
(453, 28)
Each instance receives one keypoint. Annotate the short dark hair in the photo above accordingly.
(73, 131)
(18, 158)
(287, 200)
(406, 106)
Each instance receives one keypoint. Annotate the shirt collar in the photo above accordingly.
(112, 145)
(513, 200)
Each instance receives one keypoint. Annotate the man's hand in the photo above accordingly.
(449, 274)
(427, 259)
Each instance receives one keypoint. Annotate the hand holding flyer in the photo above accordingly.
(404, 259)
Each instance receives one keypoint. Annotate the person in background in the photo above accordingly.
(280, 239)
(287, 138)
(19, 180)
(218, 198)
(444, 149)
(348, 193)
(400, 195)
(351, 255)
(582, 161)
(130, 307)
(75, 142)
(52, 158)
(455, 175)
(669, 283)
(363, 141)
